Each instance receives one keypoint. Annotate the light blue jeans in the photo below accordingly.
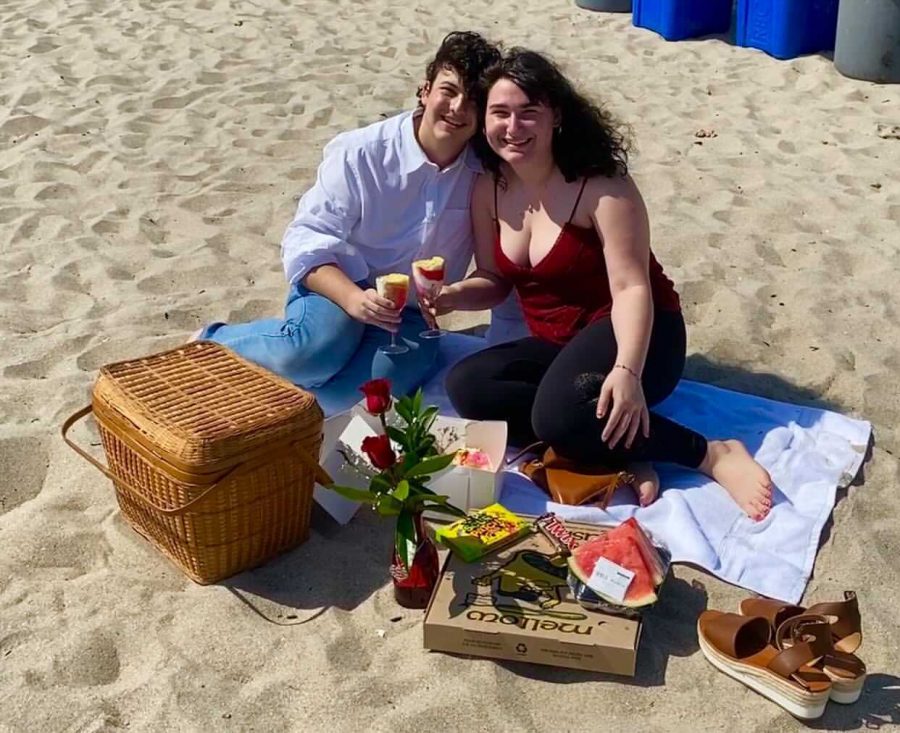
(319, 347)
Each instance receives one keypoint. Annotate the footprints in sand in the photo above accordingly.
(22, 125)
(61, 552)
(90, 660)
(52, 362)
(23, 465)
(178, 102)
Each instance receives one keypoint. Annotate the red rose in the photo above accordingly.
(378, 396)
(378, 449)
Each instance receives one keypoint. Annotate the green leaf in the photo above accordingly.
(419, 486)
(398, 436)
(409, 460)
(431, 465)
(404, 409)
(405, 534)
(448, 509)
(402, 491)
(388, 506)
(428, 418)
(380, 484)
(417, 402)
(353, 494)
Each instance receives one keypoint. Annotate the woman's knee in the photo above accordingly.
(462, 387)
(313, 356)
(564, 414)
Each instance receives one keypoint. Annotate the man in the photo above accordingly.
(385, 195)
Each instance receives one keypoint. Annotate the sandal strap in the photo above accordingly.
(810, 637)
(775, 612)
(846, 614)
(850, 663)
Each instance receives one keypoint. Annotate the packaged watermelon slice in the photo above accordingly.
(649, 551)
(599, 571)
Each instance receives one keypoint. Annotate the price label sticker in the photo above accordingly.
(610, 579)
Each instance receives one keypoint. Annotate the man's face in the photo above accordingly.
(449, 113)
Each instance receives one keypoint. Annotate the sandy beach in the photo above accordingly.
(151, 155)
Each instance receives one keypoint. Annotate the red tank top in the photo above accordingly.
(569, 288)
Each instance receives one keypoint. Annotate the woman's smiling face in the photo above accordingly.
(518, 129)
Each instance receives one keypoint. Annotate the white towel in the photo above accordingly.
(809, 453)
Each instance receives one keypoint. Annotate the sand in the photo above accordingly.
(151, 154)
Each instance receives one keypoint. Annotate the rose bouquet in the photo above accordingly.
(404, 455)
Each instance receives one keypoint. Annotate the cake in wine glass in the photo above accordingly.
(428, 276)
(395, 288)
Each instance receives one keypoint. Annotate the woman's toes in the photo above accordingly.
(646, 493)
(646, 482)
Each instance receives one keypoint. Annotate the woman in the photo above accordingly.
(559, 219)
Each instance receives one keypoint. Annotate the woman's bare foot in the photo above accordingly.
(748, 483)
(646, 482)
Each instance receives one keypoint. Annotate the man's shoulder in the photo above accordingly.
(372, 138)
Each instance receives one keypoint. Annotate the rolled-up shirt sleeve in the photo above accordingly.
(325, 218)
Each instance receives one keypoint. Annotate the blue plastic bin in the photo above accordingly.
(675, 20)
(787, 28)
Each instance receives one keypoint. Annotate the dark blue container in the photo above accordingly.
(787, 28)
(609, 6)
(675, 20)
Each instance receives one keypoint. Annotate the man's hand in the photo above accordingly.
(367, 306)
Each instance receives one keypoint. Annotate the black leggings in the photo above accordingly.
(549, 392)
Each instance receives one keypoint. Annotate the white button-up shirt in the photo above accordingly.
(378, 203)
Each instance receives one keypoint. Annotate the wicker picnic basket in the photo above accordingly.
(213, 459)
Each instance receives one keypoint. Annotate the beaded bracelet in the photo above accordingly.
(628, 369)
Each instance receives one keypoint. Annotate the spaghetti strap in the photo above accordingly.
(577, 201)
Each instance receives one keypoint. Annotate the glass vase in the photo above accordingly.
(413, 585)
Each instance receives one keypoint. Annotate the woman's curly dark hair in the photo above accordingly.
(588, 142)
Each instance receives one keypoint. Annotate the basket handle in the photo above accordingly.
(320, 473)
(67, 425)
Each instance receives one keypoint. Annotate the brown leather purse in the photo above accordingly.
(569, 482)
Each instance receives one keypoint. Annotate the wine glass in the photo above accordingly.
(428, 275)
(394, 287)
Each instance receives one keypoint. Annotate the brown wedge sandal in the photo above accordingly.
(847, 672)
(740, 646)
(843, 667)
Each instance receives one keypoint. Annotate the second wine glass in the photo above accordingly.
(395, 288)
(428, 275)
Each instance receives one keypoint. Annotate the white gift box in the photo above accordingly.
(343, 436)
(466, 487)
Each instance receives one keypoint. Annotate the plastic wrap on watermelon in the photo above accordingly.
(628, 547)
(624, 550)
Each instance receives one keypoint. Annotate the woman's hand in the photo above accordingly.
(622, 398)
(437, 304)
(367, 306)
